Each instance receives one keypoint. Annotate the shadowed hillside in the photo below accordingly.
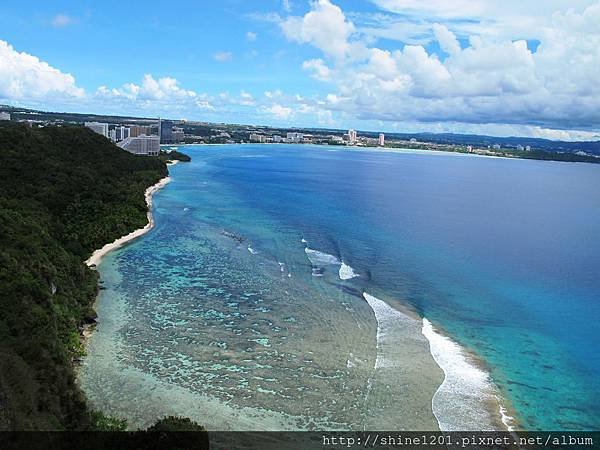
(63, 193)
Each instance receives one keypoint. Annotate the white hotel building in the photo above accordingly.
(141, 145)
(98, 127)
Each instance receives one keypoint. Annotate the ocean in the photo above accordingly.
(304, 287)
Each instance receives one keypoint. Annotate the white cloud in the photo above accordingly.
(317, 68)
(446, 38)
(26, 77)
(273, 94)
(62, 20)
(251, 36)
(279, 111)
(246, 98)
(325, 27)
(286, 5)
(495, 79)
(151, 89)
(223, 56)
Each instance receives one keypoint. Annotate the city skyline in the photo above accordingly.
(380, 65)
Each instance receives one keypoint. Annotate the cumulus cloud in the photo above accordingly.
(251, 36)
(161, 89)
(26, 77)
(325, 27)
(446, 38)
(279, 111)
(492, 80)
(317, 68)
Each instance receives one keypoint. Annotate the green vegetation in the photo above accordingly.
(174, 155)
(172, 423)
(100, 422)
(64, 191)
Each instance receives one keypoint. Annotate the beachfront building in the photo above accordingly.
(138, 130)
(4, 116)
(295, 138)
(98, 127)
(255, 137)
(165, 131)
(177, 135)
(381, 140)
(141, 145)
(352, 136)
(121, 133)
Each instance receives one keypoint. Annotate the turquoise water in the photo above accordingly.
(223, 298)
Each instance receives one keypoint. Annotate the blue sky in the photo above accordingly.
(481, 66)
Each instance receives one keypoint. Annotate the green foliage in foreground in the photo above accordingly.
(100, 422)
(63, 193)
(173, 423)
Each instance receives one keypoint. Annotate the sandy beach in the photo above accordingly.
(97, 256)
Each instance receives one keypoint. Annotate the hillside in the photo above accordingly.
(64, 191)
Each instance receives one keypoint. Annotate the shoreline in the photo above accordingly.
(400, 150)
(464, 369)
(98, 254)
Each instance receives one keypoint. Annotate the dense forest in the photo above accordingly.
(64, 191)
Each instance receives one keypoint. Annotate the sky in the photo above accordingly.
(505, 68)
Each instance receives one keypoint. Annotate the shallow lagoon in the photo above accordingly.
(219, 314)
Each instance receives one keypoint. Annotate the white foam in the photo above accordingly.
(459, 402)
(251, 250)
(508, 421)
(318, 258)
(387, 318)
(347, 272)
(303, 241)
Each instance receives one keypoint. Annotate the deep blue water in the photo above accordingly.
(504, 255)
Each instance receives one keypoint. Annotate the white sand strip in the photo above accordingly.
(97, 256)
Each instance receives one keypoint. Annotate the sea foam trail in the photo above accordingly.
(387, 319)
(318, 258)
(462, 400)
(347, 272)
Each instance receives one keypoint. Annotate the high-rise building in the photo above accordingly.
(142, 145)
(112, 134)
(121, 133)
(98, 127)
(4, 116)
(352, 136)
(165, 131)
(137, 130)
(381, 139)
